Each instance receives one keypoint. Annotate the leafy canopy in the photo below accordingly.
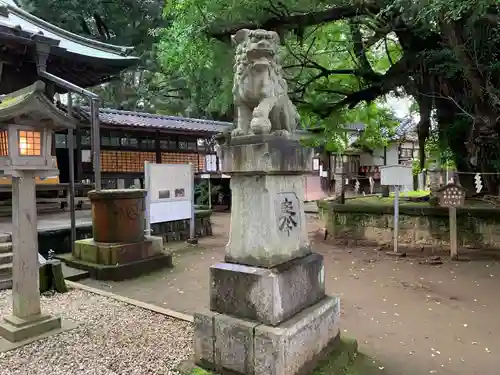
(322, 65)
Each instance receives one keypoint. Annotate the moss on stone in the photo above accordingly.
(203, 213)
(7, 102)
(347, 361)
(477, 226)
(200, 371)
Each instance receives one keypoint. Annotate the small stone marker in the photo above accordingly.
(452, 196)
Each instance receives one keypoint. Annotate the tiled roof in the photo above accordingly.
(148, 120)
(406, 130)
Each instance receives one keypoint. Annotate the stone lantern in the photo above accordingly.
(27, 119)
(26, 148)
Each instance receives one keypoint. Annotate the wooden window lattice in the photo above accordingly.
(4, 143)
(125, 161)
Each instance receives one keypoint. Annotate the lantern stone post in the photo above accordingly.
(27, 118)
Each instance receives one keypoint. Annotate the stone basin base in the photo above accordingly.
(118, 261)
(119, 272)
(91, 251)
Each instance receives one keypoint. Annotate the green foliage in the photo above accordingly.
(202, 193)
(127, 23)
(321, 66)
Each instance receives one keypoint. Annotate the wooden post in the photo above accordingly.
(453, 234)
(71, 153)
(192, 222)
(396, 217)
(209, 193)
(25, 291)
(147, 187)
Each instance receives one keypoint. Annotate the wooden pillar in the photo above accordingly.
(158, 147)
(25, 292)
(78, 156)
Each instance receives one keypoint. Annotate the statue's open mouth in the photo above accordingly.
(258, 53)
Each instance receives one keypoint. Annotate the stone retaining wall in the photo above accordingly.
(59, 240)
(419, 226)
(179, 230)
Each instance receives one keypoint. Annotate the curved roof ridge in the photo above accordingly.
(13, 8)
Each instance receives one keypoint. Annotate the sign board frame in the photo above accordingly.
(396, 175)
(169, 204)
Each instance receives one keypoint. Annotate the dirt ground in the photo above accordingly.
(414, 319)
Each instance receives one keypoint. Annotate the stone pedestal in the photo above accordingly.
(267, 186)
(119, 249)
(268, 311)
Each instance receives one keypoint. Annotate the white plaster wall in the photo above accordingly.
(378, 156)
(392, 154)
(365, 159)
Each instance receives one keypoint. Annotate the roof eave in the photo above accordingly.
(120, 50)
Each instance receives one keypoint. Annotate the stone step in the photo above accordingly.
(6, 258)
(5, 284)
(5, 271)
(5, 237)
(5, 247)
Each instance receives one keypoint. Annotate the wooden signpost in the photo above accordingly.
(452, 196)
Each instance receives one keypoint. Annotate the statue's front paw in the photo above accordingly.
(260, 125)
(282, 133)
(237, 132)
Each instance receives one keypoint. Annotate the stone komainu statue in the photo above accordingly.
(260, 91)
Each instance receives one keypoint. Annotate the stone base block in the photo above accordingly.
(256, 154)
(119, 272)
(15, 329)
(6, 345)
(230, 345)
(90, 251)
(267, 295)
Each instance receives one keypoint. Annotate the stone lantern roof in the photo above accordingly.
(32, 103)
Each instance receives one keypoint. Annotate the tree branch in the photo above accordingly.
(395, 76)
(293, 20)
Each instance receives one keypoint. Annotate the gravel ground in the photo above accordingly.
(112, 338)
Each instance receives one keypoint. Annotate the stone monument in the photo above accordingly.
(269, 314)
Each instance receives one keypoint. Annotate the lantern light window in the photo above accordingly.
(30, 143)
